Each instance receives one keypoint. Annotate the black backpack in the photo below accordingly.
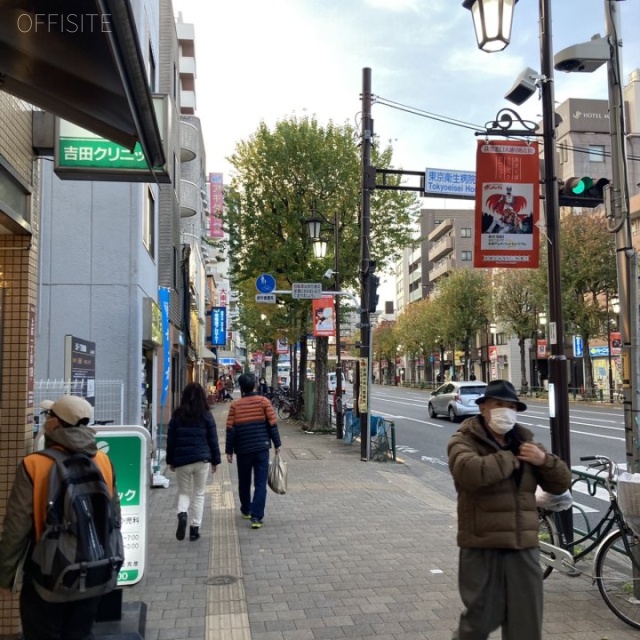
(80, 551)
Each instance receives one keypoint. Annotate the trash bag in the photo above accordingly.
(277, 478)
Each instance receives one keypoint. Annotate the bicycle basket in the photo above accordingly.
(629, 499)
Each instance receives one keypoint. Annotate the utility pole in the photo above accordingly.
(336, 275)
(558, 377)
(368, 183)
(627, 257)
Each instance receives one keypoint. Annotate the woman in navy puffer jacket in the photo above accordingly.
(192, 446)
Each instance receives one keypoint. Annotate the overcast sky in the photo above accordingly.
(260, 60)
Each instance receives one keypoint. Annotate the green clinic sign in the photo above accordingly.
(128, 448)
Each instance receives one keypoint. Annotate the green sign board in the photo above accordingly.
(80, 154)
(128, 450)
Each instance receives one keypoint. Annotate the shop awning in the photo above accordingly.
(81, 60)
(230, 362)
(206, 354)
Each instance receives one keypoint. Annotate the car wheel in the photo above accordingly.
(452, 415)
(432, 411)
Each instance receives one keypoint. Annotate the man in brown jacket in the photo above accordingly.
(496, 468)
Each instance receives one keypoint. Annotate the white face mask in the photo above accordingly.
(502, 420)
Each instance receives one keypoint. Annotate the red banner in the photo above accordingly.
(616, 343)
(282, 345)
(323, 324)
(507, 205)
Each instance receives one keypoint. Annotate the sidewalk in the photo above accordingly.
(354, 550)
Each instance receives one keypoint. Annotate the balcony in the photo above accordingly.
(187, 66)
(440, 249)
(440, 230)
(188, 141)
(190, 199)
(441, 268)
(187, 101)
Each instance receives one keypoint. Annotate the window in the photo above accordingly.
(149, 221)
(465, 232)
(596, 153)
(465, 256)
(151, 70)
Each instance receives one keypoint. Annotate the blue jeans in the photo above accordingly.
(258, 463)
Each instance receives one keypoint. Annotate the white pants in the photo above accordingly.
(192, 479)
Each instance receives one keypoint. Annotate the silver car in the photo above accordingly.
(456, 399)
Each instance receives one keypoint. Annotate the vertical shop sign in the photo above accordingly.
(507, 205)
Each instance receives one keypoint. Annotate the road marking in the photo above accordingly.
(582, 433)
(434, 460)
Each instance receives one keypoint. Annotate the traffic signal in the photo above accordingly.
(582, 192)
(372, 292)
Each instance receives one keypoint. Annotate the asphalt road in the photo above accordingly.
(421, 440)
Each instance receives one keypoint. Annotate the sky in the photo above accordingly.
(265, 61)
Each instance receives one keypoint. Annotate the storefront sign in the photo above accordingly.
(80, 366)
(218, 326)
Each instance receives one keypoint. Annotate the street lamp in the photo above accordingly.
(484, 11)
(493, 38)
(314, 227)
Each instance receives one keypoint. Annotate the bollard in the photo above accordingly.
(601, 395)
(393, 440)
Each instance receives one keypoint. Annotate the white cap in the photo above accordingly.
(69, 409)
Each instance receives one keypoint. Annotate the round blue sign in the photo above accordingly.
(265, 283)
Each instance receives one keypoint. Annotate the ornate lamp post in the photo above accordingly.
(314, 227)
(613, 304)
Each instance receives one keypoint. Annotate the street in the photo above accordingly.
(594, 429)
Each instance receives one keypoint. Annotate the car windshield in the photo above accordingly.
(472, 391)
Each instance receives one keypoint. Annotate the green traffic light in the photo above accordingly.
(583, 185)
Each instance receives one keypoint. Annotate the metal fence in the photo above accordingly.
(109, 396)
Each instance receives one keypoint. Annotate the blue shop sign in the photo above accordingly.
(218, 326)
(599, 352)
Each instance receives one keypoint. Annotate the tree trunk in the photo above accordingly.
(320, 417)
(523, 365)
(302, 374)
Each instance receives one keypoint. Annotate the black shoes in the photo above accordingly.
(194, 533)
(182, 525)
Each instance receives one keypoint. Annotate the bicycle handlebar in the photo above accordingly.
(602, 461)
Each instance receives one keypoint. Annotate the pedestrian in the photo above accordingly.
(439, 378)
(219, 389)
(263, 387)
(496, 468)
(228, 388)
(25, 523)
(251, 428)
(472, 377)
(192, 449)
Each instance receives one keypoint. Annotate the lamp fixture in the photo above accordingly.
(319, 248)
(492, 20)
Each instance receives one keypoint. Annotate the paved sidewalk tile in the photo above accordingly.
(353, 550)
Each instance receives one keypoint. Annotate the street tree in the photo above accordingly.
(465, 301)
(285, 175)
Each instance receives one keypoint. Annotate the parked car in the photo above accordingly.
(332, 382)
(456, 399)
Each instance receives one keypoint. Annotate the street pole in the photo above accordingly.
(627, 257)
(609, 348)
(336, 275)
(558, 381)
(365, 239)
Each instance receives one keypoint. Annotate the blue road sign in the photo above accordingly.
(578, 347)
(265, 283)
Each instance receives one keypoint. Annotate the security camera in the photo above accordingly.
(585, 57)
(524, 87)
(328, 273)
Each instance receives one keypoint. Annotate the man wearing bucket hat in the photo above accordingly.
(496, 468)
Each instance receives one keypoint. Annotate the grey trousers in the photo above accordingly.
(500, 587)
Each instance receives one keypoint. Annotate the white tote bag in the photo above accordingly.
(277, 478)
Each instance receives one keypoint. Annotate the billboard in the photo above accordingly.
(218, 326)
(216, 202)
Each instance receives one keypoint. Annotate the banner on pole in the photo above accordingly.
(323, 316)
(507, 205)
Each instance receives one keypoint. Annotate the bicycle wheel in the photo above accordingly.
(284, 411)
(548, 533)
(618, 580)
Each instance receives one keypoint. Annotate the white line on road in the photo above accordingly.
(582, 433)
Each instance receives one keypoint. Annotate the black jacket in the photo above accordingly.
(189, 442)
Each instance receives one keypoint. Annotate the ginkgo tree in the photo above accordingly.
(283, 176)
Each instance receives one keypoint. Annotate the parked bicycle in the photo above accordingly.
(290, 408)
(616, 563)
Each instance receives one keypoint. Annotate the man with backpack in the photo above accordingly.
(62, 521)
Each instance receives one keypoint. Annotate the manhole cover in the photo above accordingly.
(221, 580)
